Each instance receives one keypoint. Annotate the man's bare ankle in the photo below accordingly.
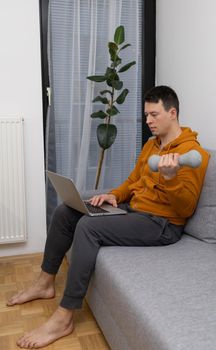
(46, 280)
(66, 314)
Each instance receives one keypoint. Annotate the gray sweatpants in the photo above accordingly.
(88, 234)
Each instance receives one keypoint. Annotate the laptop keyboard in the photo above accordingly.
(94, 210)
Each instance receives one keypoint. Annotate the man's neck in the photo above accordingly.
(170, 137)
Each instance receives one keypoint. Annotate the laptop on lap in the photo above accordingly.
(66, 189)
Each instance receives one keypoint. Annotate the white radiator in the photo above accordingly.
(12, 182)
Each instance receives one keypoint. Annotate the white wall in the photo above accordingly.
(186, 61)
(20, 95)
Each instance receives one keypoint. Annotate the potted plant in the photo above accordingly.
(113, 95)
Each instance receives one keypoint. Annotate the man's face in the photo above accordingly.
(158, 119)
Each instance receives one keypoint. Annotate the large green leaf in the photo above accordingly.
(106, 135)
(99, 114)
(110, 71)
(97, 78)
(117, 84)
(126, 67)
(113, 55)
(114, 82)
(121, 98)
(112, 111)
(119, 35)
(103, 100)
(111, 74)
(109, 82)
(113, 46)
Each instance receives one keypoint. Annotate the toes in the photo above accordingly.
(10, 302)
(29, 340)
(30, 345)
(13, 300)
(27, 343)
(20, 342)
(24, 341)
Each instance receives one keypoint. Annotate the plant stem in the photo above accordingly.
(99, 168)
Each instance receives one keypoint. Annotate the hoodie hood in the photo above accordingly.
(186, 136)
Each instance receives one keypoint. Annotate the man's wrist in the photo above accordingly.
(113, 196)
(169, 177)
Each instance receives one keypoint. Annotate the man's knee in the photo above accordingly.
(65, 215)
(84, 223)
(62, 211)
(91, 227)
(88, 225)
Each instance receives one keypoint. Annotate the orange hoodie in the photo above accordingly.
(148, 191)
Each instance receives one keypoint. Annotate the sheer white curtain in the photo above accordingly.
(78, 34)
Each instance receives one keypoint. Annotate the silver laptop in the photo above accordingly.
(71, 197)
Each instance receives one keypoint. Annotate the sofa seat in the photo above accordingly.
(156, 298)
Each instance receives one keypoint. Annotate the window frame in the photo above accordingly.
(43, 15)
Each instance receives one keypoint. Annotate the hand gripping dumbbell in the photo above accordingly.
(192, 159)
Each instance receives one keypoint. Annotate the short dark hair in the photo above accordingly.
(164, 93)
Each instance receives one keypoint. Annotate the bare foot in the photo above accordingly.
(59, 325)
(42, 289)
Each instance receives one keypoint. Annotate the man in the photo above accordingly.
(157, 204)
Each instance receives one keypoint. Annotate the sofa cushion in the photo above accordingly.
(202, 224)
(156, 298)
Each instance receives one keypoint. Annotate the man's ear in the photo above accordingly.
(173, 113)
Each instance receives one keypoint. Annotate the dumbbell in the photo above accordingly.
(192, 159)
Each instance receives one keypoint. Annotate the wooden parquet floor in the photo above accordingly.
(17, 273)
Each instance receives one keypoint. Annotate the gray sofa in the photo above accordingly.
(162, 298)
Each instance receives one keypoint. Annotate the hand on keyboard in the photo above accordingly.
(94, 210)
(101, 198)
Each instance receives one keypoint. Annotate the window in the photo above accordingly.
(139, 34)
